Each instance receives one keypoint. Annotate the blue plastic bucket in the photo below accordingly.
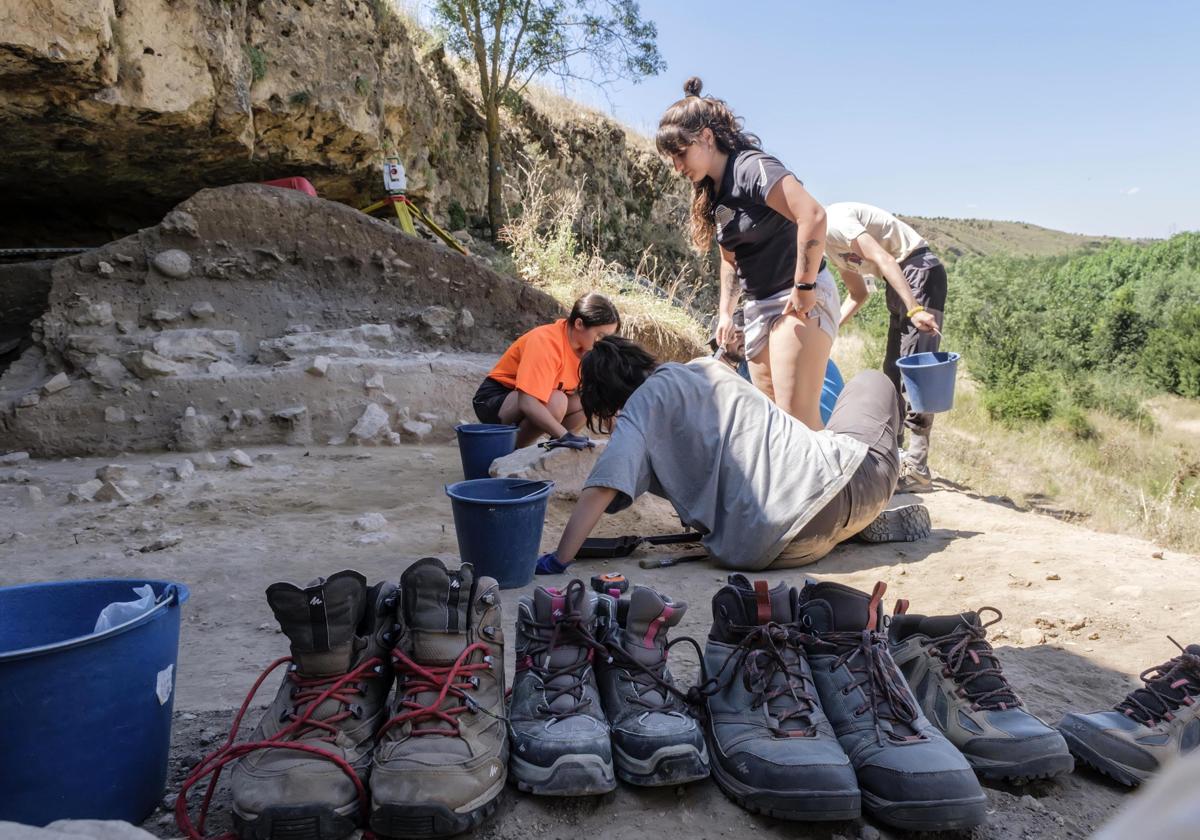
(85, 718)
(481, 443)
(499, 525)
(830, 390)
(929, 380)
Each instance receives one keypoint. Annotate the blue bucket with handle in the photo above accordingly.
(499, 526)
(831, 389)
(85, 717)
(481, 443)
(929, 380)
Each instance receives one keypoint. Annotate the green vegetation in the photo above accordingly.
(258, 63)
(361, 86)
(300, 98)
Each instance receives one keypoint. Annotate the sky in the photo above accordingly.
(1079, 116)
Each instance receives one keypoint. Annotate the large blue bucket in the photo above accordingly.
(830, 390)
(499, 525)
(929, 380)
(85, 718)
(481, 443)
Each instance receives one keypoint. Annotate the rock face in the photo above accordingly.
(284, 277)
(130, 106)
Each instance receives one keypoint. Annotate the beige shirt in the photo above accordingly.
(848, 220)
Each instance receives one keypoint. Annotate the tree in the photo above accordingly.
(512, 42)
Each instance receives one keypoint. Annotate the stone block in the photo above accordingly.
(56, 383)
(371, 425)
(173, 263)
(567, 468)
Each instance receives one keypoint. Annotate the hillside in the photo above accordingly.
(954, 238)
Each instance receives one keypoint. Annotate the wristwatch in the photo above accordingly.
(806, 287)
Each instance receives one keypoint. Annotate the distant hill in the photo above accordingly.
(954, 238)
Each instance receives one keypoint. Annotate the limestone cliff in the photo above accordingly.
(113, 111)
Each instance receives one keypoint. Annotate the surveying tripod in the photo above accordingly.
(405, 209)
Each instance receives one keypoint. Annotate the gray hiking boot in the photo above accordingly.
(913, 478)
(959, 683)
(655, 740)
(340, 632)
(560, 737)
(907, 523)
(1151, 726)
(911, 777)
(442, 758)
(772, 749)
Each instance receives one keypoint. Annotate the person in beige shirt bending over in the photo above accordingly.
(863, 241)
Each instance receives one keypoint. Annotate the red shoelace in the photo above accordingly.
(453, 680)
(343, 688)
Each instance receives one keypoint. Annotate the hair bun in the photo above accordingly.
(693, 86)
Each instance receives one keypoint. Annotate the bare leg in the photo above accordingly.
(799, 351)
(760, 372)
(527, 432)
(574, 420)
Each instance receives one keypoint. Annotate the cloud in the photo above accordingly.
(1131, 191)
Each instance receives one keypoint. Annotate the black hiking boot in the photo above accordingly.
(1151, 726)
(560, 736)
(772, 749)
(911, 777)
(655, 739)
(961, 687)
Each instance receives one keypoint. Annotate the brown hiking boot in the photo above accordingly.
(442, 758)
(340, 633)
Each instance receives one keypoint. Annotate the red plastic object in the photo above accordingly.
(300, 184)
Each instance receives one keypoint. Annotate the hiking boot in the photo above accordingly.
(772, 749)
(442, 758)
(560, 737)
(913, 477)
(1152, 725)
(961, 687)
(911, 776)
(655, 740)
(340, 632)
(907, 523)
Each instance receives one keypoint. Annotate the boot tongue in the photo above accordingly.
(646, 623)
(436, 604)
(552, 606)
(320, 620)
(941, 625)
(934, 626)
(835, 608)
(740, 605)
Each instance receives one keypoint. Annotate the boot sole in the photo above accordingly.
(1043, 767)
(582, 774)
(1115, 771)
(933, 815)
(298, 822)
(676, 765)
(903, 524)
(803, 806)
(428, 820)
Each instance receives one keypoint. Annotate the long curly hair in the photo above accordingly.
(679, 128)
(608, 374)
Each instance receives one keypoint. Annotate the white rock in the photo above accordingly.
(30, 496)
(319, 365)
(466, 320)
(110, 492)
(85, 492)
(238, 458)
(205, 461)
(173, 263)
(104, 268)
(374, 383)
(1032, 636)
(416, 430)
(94, 315)
(202, 310)
(29, 400)
(372, 539)
(291, 414)
(129, 485)
(222, 369)
(185, 470)
(336, 440)
(164, 541)
(114, 414)
(254, 417)
(372, 424)
(392, 439)
(567, 468)
(370, 522)
(112, 472)
(145, 364)
(56, 383)
(165, 316)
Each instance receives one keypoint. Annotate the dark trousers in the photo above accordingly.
(867, 411)
(927, 278)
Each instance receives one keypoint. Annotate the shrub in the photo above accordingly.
(258, 63)
(456, 215)
(300, 98)
(1075, 423)
(1025, 398)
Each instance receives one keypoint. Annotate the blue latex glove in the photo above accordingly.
(548, 564)
(569, 441)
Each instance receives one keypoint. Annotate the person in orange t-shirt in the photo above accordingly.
(535, 384)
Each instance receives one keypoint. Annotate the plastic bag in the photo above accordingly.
(120, 612)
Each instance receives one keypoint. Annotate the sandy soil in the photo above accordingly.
(290, 517)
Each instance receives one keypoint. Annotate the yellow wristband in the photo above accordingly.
(915, 310)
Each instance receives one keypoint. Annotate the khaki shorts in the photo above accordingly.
(761, 315)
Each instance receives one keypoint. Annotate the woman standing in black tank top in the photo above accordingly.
(771, 234)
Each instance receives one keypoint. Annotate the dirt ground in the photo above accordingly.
(1083, 612)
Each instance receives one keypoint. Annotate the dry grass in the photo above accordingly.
(1128, 480)
(546, 252)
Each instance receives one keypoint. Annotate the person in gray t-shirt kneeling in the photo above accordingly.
(763, 488)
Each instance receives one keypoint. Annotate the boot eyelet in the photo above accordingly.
(542, 709)
(356, 711)
(474, 682)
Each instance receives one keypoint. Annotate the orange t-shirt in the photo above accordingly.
(540, 362)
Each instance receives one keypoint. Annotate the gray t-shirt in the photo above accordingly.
(734, 465)
(763, 241)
